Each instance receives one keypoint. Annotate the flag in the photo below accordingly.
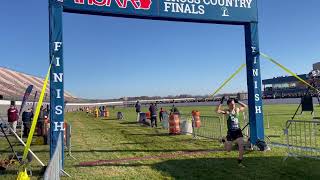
(25, 97)
(34, 100)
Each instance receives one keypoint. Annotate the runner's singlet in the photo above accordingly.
(233, 121)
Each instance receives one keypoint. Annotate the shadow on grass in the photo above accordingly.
(174, 141)
(272, 168)
(227, 168)
(145, 134)
(139, 143)
(280, 114)
(129, 123)
(110, 119)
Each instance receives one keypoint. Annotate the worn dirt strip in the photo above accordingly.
(164, 156)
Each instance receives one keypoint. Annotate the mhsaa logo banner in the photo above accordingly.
(136, 4)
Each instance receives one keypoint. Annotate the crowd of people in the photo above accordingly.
(153, 110)
(27, 118)
(97, 111)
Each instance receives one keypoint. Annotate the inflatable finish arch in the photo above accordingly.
(232, 12)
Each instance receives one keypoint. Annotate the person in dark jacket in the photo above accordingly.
(101, 110)
(40, 121)
(162, 111)
(27, 119)
(153, 113)
(174, 110)
(13, 116)
(138, 110)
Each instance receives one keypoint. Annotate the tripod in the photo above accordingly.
(11, 147)
(307, 101)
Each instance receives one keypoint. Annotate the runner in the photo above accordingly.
(234, 131)
(153, 111)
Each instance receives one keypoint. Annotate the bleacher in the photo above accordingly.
(13, 85)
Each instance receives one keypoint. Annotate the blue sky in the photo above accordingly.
(106, 57)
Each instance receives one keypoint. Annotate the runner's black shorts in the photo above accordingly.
(234, 134)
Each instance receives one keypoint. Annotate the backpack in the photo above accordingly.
(262, 145)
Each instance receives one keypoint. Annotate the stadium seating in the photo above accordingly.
(13, 85)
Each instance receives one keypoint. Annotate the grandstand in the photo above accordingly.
(284, 87)
(290, 86)
(13, 85)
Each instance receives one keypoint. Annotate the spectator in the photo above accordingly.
(40, 121)
(87, 111)
(101, 110)
(153, 113)
(42, 113)
(48, 109)
(174, 110)
(13, 116)
(27, 119)
(138, 110)
(96, 112)
(161, 114)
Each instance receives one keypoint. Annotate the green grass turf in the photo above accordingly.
(110, 139)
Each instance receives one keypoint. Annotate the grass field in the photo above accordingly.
(133, 151)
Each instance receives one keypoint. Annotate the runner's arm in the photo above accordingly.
(219, 110)
(243, 106)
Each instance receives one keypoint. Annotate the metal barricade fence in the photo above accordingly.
(212, 127)
(68, 135)
(55, 167)
(303, 138)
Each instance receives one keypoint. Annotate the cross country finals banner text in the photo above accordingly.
(199, 6)
(244, 10)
